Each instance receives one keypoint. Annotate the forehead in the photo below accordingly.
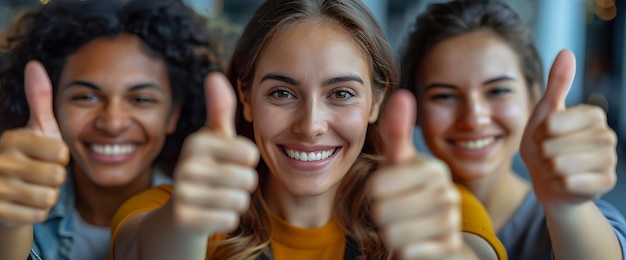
(114, 58)
(474, 57)
(313, 47)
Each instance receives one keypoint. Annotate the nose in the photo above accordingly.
(311, 120)
(113, 119)
(475, 114)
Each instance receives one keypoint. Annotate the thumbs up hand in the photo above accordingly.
(216, 171)
(415, 204)
(32, 159)
(570, 152)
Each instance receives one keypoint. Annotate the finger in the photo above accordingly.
(237, 150)
(576, 164)
(397, 128)
(415, 204)
(589, 185)
(575, 119)
(213, 197)
(25, 143)
(217, 221)
(391, 182)
(443, 248)
(39, 96)
(601, 142)
(15, 214)
(221, 105)
(404, 233)
(218, 175)
(34, 196)
(559, 83)
(33, 172)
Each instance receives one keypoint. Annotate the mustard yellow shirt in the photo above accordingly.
(327, 242)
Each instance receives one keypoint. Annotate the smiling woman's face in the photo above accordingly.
(474, 104)
(310, 104)
(114, 108)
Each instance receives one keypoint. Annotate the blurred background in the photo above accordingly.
(594, 29)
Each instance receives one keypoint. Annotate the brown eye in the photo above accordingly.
(499, 91)
(145, 100)
(281, 94)
(342, 94)
(85, 98)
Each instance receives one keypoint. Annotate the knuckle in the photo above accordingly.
(596, 115)
(610, 180)
(249, 151)
(58, 175)
(448, 196)
(49, 198)
(607, 137)
(250, 180)
(241, 201)
(182, 194)
(39, 216)
(188, 169)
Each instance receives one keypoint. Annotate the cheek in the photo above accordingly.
(268, 122)
(435, 120)
(71, 121)
(513, 115)
(351, 123)
(155, 121)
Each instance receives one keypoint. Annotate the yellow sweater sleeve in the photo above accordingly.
(147, 200)
(476, 221)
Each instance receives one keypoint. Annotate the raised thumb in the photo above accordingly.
(559, 83)
(39, 96)
(221, 104)
(397, 128)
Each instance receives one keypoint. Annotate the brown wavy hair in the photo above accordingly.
(352, 205)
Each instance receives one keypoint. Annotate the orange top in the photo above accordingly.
(291, 242)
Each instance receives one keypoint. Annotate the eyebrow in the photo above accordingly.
(487, 82)
(97, 88)
(282, 78)
(332, 81)
(501, 78)
(343, 79)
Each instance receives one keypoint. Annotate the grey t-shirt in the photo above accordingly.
(90, 242)
(526, 236)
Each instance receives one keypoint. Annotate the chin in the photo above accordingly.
(112, 179)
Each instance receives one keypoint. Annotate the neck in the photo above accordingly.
(97, 204)
(501, 193)
(302, 211)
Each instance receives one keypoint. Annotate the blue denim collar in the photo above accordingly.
(64, 206)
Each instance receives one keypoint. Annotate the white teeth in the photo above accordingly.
(312, 156)
(113, 150)
(476, 144)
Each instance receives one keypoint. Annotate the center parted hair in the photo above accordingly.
(351, 207)
(169, 31)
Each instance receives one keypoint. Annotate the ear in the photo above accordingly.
(172, 121)
(376, 104)
(244, 98)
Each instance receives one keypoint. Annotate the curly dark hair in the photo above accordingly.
(168, 29)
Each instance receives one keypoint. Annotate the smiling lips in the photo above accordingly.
(475, 144)
(310, 156)
(113, 150)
